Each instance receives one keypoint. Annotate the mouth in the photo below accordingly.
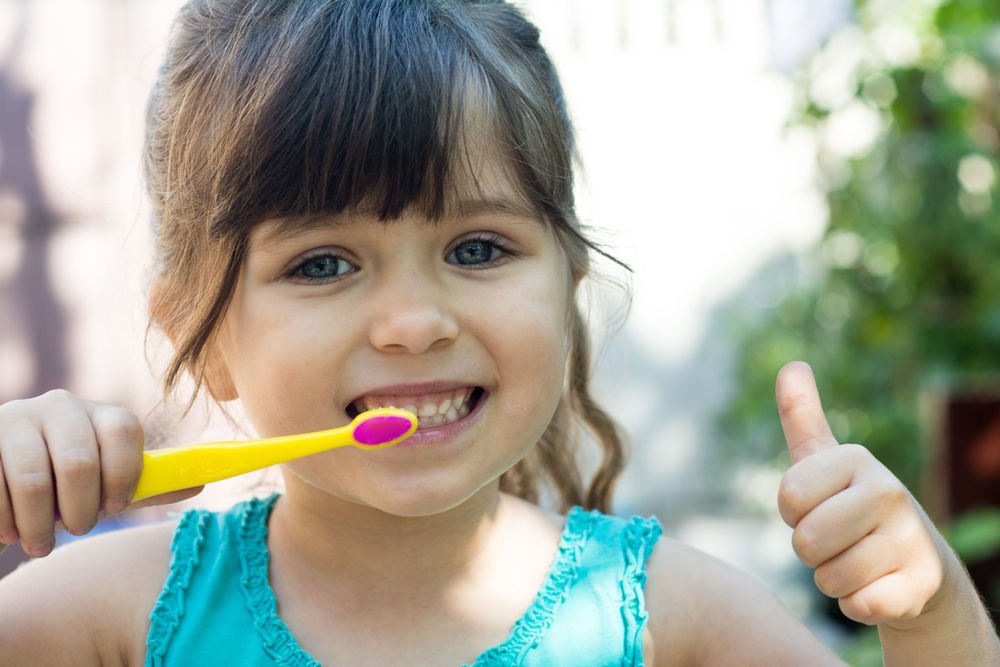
(432, 409)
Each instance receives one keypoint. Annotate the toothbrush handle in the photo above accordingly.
(183, 467)
(176, 468)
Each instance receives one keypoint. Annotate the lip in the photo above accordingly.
(434, 434)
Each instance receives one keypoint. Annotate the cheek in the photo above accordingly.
(531, 335)
(283, 365)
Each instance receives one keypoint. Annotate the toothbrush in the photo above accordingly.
(175, 468)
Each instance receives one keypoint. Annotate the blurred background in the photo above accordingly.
(789, 179)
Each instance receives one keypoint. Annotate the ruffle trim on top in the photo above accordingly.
(529, 628)
(640, 537)
(169, 607)
(254, 561)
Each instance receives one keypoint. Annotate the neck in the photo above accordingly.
(324, 537)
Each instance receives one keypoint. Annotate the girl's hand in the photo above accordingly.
(871, 544)
(66, 458)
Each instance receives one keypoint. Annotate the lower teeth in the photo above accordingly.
(451, 415)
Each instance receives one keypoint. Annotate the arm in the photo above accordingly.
(88, 603)
(67, 457)
(872, 545)
(703, 612)
(953, 628)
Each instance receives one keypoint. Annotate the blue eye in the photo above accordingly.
(475, 252)
(322, 268)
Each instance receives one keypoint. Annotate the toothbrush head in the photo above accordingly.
(383, 427)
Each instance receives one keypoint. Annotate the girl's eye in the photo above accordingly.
(476, 252)
(322, 268)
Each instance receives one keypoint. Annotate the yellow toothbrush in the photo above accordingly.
(175, 468)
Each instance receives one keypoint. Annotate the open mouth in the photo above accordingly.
(436, 409)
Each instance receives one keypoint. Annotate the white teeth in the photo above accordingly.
(431, 410)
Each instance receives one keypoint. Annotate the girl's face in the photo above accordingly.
(462, 320)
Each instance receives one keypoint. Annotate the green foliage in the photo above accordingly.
(975, 535)
(901, 299)
(864, 649)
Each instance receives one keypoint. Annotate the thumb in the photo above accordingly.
(802, 419)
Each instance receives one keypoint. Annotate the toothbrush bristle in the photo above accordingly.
(381, 429)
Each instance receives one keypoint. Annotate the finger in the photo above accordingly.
(892, 597)
(120, 441)
(167, 498)
(72, 447)
(8, 529)
(823, 475)
(802, 419)
(870, 559)
(29, 484)
(834, 526)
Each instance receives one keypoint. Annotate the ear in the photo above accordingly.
(163, 313)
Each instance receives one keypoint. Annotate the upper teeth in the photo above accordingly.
(431, 409)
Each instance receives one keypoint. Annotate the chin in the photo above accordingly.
(414, 503)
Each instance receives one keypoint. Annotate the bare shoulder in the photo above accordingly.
(88, 602)
(704, 612)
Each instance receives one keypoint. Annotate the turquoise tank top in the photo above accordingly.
(217, 600)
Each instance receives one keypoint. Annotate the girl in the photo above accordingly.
(363, 203)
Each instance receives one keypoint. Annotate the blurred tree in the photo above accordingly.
(901, 298)
(902, 295)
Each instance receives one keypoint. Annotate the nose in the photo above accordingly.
(411, 314)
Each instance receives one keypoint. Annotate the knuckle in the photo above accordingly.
(793, 401)
(119, 426)
(13, 407)
(826, 581)
(806, 545)
(856, 609)
(792, 497)
(31, 485)
(119, 423)
(76, 465)
(58, 397)
(855, 452)
(876, 610)
(891, 494)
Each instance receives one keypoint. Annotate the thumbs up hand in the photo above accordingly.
(871, 544)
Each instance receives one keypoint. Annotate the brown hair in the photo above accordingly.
(298, 108)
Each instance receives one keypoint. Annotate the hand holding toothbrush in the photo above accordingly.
(63, 456)
(65, 460)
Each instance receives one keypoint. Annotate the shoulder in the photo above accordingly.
(88, 602)
(704, 612)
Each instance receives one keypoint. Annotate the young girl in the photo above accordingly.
(363, 203)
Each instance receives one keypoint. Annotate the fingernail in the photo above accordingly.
(39, 550)
(81, 531)
(115, 505)
(9, 536)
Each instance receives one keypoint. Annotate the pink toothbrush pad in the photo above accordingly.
(380, 430)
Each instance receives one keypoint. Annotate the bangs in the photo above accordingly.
(375, 106)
